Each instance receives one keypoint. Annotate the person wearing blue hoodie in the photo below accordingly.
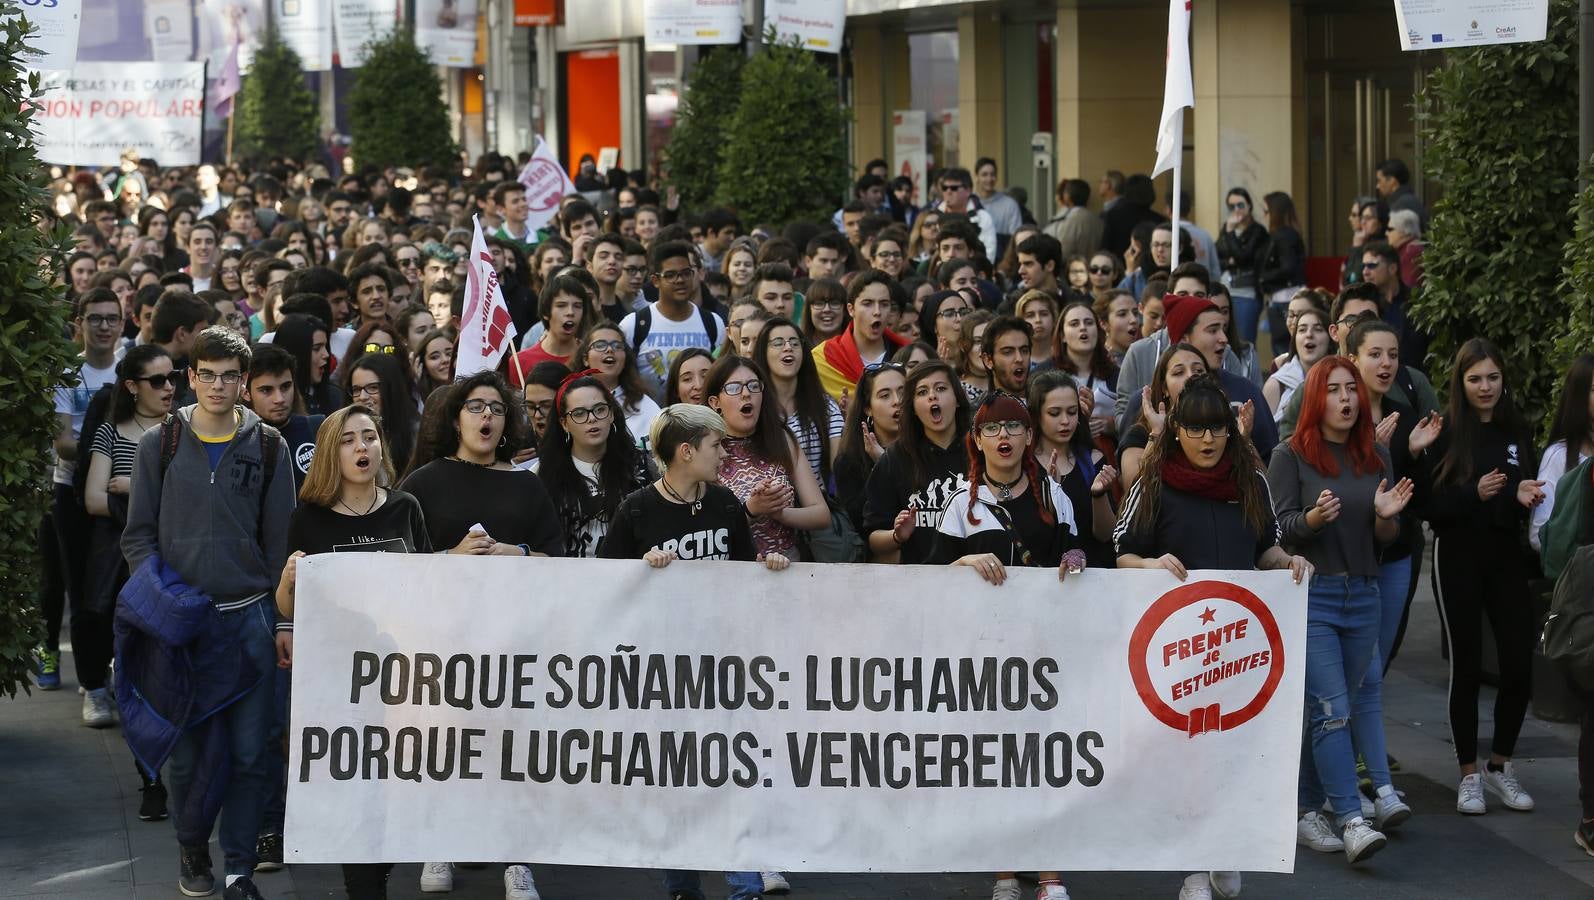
(212, 497)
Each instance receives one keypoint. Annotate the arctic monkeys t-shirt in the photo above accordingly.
(647, 521)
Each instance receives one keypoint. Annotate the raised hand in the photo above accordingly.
(1247, 417)
(871, 443)
(1387, 504)
(1386, 428)
(1425, 433)
(1106, 477)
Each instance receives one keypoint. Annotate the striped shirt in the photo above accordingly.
(808, 439)
(119, 449)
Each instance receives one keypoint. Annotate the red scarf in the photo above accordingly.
(1216, 483)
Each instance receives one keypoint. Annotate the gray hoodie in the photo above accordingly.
(208, 526)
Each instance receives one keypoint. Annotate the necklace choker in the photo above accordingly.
(1003, 490)
(694, 505)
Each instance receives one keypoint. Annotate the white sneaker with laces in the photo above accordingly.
(1389, 810)
(1362, 840)
(1225, 884)
(518, 884)
(1051, 890)
(97, 709)
(1312, 830)
(1006, 889)
(1504, 784)
(1196, 887)
(1469, 796)
(437, 878)
(775, 883)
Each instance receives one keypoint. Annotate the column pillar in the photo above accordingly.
(870, 137)
(981, 106)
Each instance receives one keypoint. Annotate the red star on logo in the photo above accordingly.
(1207, 616)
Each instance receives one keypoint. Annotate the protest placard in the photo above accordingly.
(827, 718)
(87, 115)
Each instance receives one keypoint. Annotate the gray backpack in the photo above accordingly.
(1568, 638)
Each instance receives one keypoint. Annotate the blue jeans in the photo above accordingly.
(743, 885)
(1247, 313)
(248, 722)
(1394, 586)
(1342, 622)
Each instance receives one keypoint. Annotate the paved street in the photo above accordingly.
(73, 830)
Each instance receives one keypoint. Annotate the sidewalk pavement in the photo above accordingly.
(73, 831)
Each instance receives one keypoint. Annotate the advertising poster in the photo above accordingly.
(306, 26)
(447, 30)
(814, 24)
(693, 21)
(1431, 24)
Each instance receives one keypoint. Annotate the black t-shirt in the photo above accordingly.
(396, 526)
(299, 432)
(647, 521)
(1135, 437)
(1045, 543)
(511, 504)
(1098, 554)
(889, 492)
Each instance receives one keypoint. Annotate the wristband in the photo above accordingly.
(525, 549)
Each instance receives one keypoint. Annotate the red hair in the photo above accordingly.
(1308, 442)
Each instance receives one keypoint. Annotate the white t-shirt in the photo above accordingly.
(74, 401)
(1552, 465)
(665, 341)
(640, 421)
(338, 341)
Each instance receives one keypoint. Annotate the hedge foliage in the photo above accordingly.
(277, 114)
(1576, 336)
(785, 156)
(397, 116)
(701, 121)
(1501, 134)
(33, 354)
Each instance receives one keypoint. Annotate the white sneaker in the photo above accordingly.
(97, 709)
(1469, 796)
(437, 878)
(1006, 889)
(1196, 887)
(1225, 884)
(1051, 890)
(1504, 785)
(1389, 810)
(1313, 830)
(775, 883)
(518, 884)
(1361, 840)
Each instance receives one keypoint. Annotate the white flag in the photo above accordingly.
(1178, 89)
(486, 329)
(547, 185)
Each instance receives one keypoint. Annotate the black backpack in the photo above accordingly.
(644, 324)
(1568, 638)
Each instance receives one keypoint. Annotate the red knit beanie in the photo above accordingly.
(1179, 312)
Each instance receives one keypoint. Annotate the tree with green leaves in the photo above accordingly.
(785, 155)
(1577, 288)
(1501, 134)
(397, 116)
(698, 138)
(276, 113)
(33, 354)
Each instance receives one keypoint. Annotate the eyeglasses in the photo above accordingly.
(888, 254)
(158, 382)
(583, 415)
(1197, 434)
(538, 409)
(606, 346)
(954, 313)
(1349, 321)
(102, 321)
(379, 348)
(826, 304)
(675, 277)
(1101, 270)
(477, 407)
(793, 343)
(1013, 427)
(368, 390)
(208, 377)
(732, 388)
(635, 271)
(1372, 265)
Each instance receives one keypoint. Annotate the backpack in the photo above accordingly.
(644, 324)
(1560, 537)
(1568, 637)
(270, 441)
(97, 414)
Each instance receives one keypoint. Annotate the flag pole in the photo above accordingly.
(1178, 178)
(230, 117)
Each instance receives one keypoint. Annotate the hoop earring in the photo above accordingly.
(503, 440)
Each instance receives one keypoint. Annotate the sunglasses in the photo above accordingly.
(158, 382)
(1101, 270)
(379, 348)
(951, 187)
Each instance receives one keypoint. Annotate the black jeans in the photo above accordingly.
(91, 631)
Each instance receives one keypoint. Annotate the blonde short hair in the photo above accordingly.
(324, 482)
(681, 423)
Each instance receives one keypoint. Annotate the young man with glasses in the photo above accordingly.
(99, 331)
(957, 196)
(628, 294)
(212, 497)
(658, 332)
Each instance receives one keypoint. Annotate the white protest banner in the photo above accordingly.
(909, 150)
(814, 24)
(87, 115)
(447, 30)
(306, 26)
(53, 45)
(1426, 24)
(358, 23)
(692, 21)
(547, 183)
(715, 715)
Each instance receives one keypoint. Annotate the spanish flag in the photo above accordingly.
(839, 364)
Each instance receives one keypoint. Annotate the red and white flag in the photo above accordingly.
(1178, 89)
(227, 85)
(547, 184)
(485, 329)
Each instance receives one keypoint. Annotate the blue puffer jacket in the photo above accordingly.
(176, 668)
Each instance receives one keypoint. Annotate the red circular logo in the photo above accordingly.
(1202, 647)
(545, 185)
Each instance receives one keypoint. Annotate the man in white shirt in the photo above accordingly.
(659, 332)
(202, 252)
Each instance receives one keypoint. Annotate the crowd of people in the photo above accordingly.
(268, 371)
